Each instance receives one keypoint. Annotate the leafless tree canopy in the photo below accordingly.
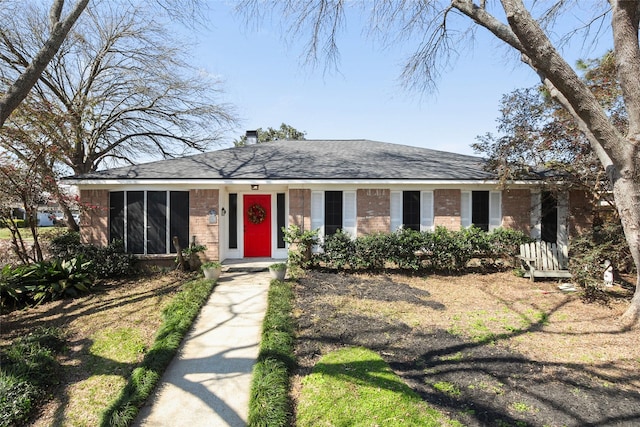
(118, 89)
(440, 28)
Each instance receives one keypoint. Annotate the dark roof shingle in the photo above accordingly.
(308, 160)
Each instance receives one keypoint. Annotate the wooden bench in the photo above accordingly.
(543, 259)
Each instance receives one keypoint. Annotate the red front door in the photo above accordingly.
(257, 225)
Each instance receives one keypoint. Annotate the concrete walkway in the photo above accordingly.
(209, 380)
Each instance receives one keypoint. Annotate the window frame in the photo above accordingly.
(133, 220)
(426, 206)
(494, 206)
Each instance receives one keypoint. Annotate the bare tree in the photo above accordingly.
(21, 185)
(527, 30)
(58, 30)
(118, 89)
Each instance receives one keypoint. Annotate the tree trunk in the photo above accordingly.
(19, 90)
(627, 196)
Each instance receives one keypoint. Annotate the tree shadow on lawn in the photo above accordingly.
(121, 297)
(479, 383)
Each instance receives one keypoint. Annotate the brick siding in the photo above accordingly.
(300, 208)
(516, 210)
(580, 212)
(446, 211)
(373, 211)
(94, 221)
(200, 203)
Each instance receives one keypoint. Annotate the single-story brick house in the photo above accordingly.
(236, 200)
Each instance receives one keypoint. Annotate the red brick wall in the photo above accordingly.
(580, 212)
(516, 210)
(373, 211)
(300, 208)
(94, 221)
(446, 205)
(200, 203)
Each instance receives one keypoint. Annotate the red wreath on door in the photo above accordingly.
(256, 213)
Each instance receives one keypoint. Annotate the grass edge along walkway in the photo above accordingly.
(269, 403)
(379, 393)
(178, 316)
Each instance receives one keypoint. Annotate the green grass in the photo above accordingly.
(269, 403)
(355, 387)
(177, 319)
(5, 234)
(447, 388)
(521, 407)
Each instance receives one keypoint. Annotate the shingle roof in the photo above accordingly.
(308, 160)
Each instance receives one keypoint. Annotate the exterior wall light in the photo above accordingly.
(223, 211)
(213, 216)
(255, 187)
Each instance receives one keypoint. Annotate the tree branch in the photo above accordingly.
(19, 90)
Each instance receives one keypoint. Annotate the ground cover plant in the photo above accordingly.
(484, 349)
(29, 371)
(269, 403)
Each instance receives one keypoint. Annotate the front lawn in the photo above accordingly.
(108, 333)
(490, 349)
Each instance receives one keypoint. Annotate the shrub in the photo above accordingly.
(300, 244)
(47, 280)
(65, 246)
(441, 250)
(403, 245)
(505, 242)
(338, 251)
(590, 250)
(372, 251)
(107, 262)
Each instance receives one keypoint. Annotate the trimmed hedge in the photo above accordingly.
(440, 250)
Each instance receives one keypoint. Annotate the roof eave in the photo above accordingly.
(218, 182)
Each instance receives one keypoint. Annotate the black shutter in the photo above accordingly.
(233, 221)
(280, 219)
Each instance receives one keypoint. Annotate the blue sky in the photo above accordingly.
(265, 79)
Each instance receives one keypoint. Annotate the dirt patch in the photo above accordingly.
(486, 349)
(110, 307)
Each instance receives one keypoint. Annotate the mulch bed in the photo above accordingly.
(498, 385)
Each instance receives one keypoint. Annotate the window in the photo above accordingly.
(332, 211)
(147, 220)
(233, 221)
(280, 219)
(412, 209)
(482, 209)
